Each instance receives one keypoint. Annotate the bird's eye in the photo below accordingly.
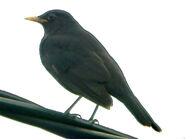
(51, 17)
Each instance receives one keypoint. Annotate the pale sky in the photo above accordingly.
(146, 38)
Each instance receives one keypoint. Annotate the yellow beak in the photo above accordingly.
(36, 19)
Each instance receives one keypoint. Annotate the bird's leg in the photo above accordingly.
(69, 109)
(92, 120)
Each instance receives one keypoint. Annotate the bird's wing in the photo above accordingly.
(81, 72)
(91, 69)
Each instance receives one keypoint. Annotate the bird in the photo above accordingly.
(82, 65)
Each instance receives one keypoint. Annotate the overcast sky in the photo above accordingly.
(146, 38)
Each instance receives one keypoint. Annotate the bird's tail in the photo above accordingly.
(136, 108)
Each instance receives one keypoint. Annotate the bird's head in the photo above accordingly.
(55, 20)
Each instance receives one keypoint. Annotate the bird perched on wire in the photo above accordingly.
(80, 63)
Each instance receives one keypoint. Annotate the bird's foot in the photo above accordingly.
(94, 121)
(74, 116)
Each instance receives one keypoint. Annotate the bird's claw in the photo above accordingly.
(74, 116)
(94, 121)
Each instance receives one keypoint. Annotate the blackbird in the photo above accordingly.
(80, 63)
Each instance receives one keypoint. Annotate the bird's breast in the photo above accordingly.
(44, 52)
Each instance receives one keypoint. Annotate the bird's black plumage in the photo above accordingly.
(80, 63)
